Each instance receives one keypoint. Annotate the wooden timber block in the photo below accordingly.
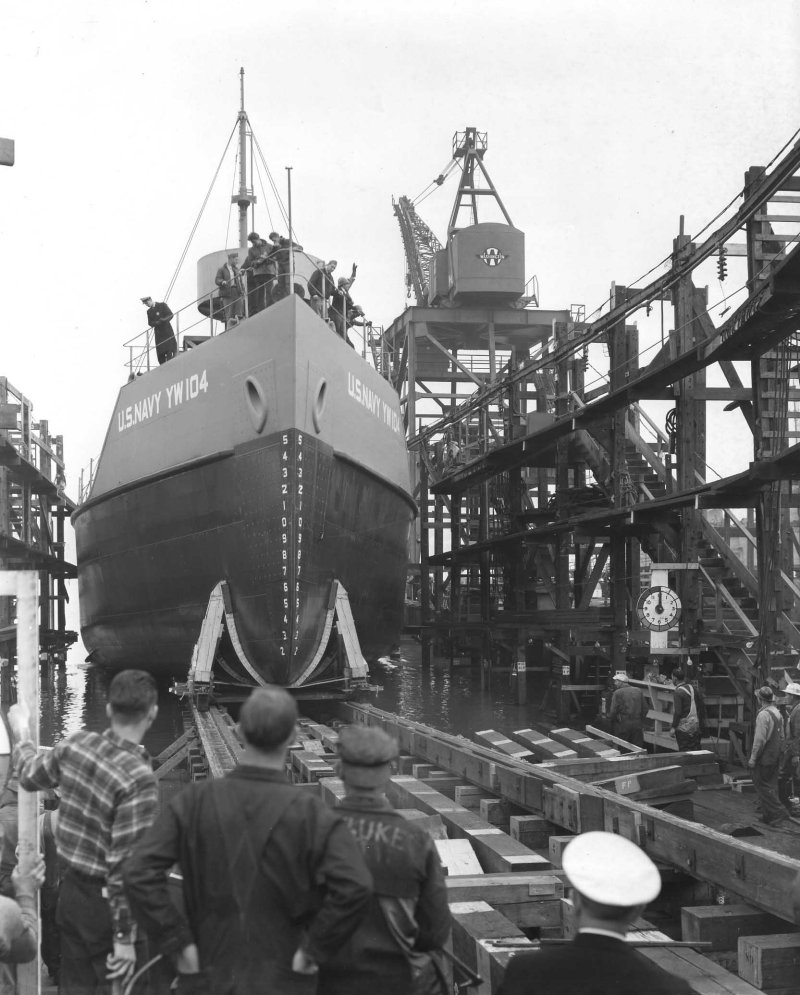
(543, 747)
(496, 811)
(496, 851)
(432, 824)
(503, 744)
(704, 975)
(528, 900)
(722, 925)
(743, 787)
(331, 790)
(475, 926)
(770, 961)
(582, 744)
(556, 848)
(404, 764)
(632, 785)
(457, 857)
(424, 770)
(444, 783)
(311, 787)
(572, 809)
(310, 766)
(532, 830)
(469, 796)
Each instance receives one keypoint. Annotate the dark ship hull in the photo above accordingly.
(278, 466)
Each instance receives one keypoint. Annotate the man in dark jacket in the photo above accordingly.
(261, 273)
(395, 948)
(273, 882)
(321, 287)
(159, 318)
(613, 880)
(628, 710)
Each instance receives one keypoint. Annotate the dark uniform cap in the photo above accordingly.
(361, 746)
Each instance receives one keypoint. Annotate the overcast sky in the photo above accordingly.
(606, 122)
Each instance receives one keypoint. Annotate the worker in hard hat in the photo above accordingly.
(612, 880)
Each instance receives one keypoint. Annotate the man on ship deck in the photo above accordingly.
(273, 882)
(159, 318)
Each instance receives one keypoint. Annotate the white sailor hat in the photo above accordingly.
(792, 688)
(610, 870)
(621, 676)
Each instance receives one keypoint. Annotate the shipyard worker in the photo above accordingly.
(765, 757)
(19, 920)
(261, 273)
(688, 712)
(612, 881)
(790, 761)
(321, 287)
(273, 882)
(627, 711)
(108, 798)
(159, 318)
(396, 948)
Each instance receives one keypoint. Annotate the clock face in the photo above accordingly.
(658, 608)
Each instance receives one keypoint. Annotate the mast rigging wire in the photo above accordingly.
(200, 214)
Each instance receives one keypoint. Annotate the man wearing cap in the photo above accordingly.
(273, 882)
(396, 948)
(765, 757)
(790, 763)
(261, 273)
(229, 281)
(612, 880)
(159, 318)
(628, 710)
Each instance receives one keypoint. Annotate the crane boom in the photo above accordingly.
(419, 244)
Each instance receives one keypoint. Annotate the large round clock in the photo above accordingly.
(658, 608)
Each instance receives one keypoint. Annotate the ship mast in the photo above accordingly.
(245, 197)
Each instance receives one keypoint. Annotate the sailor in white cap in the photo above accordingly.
(765, 757)
(628, 710)
(612, 880)
(399, 943)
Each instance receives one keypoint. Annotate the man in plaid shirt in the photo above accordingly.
(108, 799)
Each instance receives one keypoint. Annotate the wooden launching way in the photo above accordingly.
(725, 920)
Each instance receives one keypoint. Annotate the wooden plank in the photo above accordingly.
(573, 809)
(543, 747)
(596, 770)
(444, 783)
(495, 850)
(502, 743)
(496, 811)
(432, 824)
(757, 876)
(634, 784)
(475, 926)
(583, 744)
(527, 900)
(331, 790)
(623, 744)
(458, 857)
(722, 925)
(770, 961)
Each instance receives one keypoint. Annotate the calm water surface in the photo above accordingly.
(452, 700)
